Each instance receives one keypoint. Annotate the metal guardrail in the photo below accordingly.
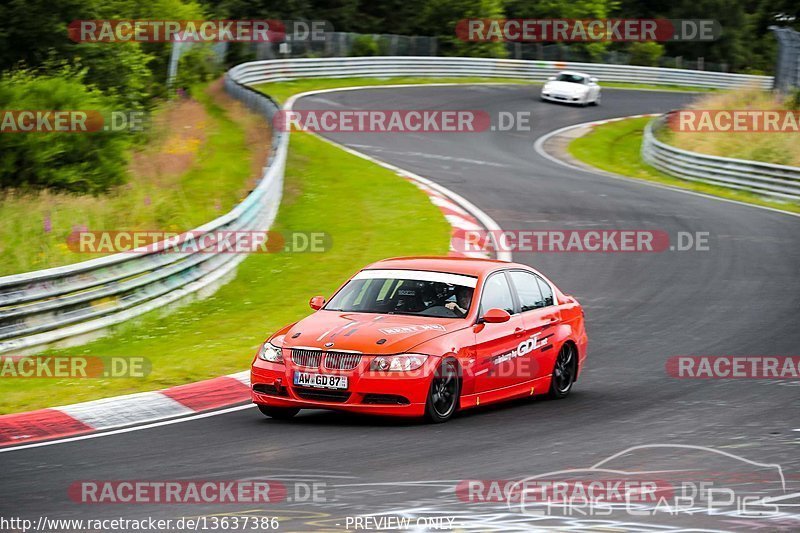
(778, 181)
(46, 306)
(379, 67)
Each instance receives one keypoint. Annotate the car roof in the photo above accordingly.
(455, 265)
(574, 73)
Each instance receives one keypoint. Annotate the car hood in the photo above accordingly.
(565, 87)
(362, 331)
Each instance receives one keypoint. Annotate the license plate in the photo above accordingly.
(320, 381)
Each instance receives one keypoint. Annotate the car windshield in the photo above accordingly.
(406, 292)
(571, 78)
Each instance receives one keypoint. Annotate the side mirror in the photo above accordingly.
(316, 302)
(551, 78)
(593, 80)
(496, 316)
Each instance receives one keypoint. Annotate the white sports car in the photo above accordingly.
(572, 87)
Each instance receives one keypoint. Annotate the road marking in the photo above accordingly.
(128, 430)
(538, 145)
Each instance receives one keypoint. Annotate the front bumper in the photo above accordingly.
(565, 99)
(395, 394)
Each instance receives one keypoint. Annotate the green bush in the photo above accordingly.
(364, 45)
(74, 162)
(195, 66)
(121, 71)
(646, 53)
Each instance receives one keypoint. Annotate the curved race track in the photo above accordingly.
(739, 298)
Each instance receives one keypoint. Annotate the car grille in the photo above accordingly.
(342, 361)
(309, 358)
(332, 360)
(322, 395)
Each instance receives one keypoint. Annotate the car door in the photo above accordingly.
(540, 316)
(496, 344)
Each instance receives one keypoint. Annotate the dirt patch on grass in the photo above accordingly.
(258, 132)
(178, 133)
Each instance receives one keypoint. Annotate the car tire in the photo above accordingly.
(564, 372)
(444, 392)
(596, 101)
(278, 413)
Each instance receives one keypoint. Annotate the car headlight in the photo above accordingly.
(270, 352)
(397, 363)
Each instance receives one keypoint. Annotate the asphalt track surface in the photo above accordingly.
(740, 298)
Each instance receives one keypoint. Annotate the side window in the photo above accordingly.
(527, 286)
(547, 292)
(497, 293)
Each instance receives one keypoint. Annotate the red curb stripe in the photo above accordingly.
(209, 394)
(464, 215)
(38, 425)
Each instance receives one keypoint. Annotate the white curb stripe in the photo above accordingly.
(243, 377)
(125, 410)
(462, 223)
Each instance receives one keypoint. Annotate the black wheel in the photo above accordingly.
(564, 371)
(596, 101)
(444, 392)
(280, 413)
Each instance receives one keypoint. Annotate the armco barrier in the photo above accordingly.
(778, 181)
(380, 67)
(54, 304)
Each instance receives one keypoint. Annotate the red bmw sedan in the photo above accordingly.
(425, 337)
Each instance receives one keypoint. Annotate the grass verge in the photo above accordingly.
(616, 146)
(776, 147)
